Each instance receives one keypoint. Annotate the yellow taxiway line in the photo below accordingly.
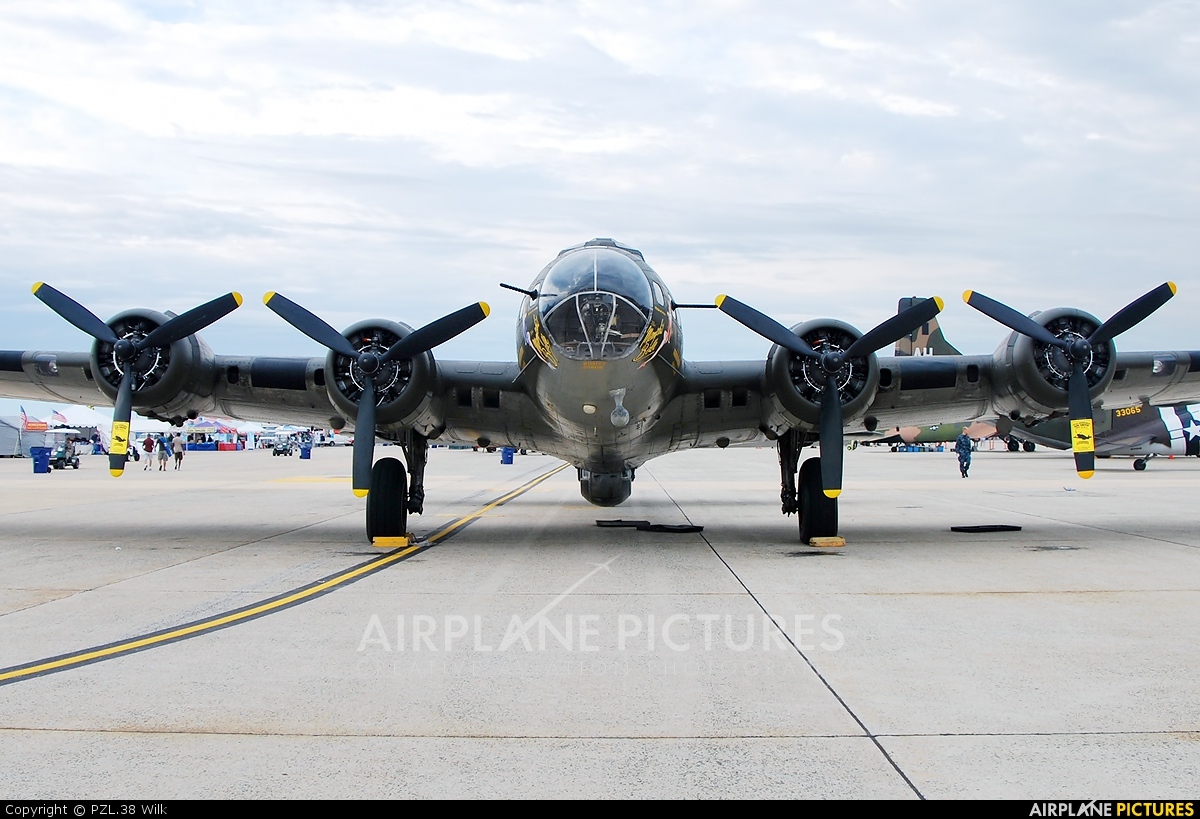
(278, 603)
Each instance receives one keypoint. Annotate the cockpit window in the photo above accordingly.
(595, 304)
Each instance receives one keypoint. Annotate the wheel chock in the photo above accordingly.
(826, 542)
(393, 542)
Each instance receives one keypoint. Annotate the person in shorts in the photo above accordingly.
(148, 446)
(163, 448)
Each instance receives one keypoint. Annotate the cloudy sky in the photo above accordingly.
(400, 159)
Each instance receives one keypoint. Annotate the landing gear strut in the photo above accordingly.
(818, 514)
(789, 459)
(416, 452)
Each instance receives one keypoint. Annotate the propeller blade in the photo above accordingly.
(764, 325)
(309, 324)
(895, 328)
(74, 312)
(1083, 442)
(436, 332)
(1011, 319)
(364, 440)
(831, 439)
(1133, 313)
(193, 321)
(118, 445)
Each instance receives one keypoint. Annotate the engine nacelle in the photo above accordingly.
(1029, 378)
(795, 383)
(403, 389)
(176, 379)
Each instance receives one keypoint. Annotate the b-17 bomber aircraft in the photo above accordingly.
(600, 381)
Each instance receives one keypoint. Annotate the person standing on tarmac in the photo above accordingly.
(962, 445)
(164, 452)
(148, 448)
(177, 448)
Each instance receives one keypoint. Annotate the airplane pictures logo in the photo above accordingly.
(649, 631)
(1135, 810)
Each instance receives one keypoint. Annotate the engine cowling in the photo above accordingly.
(795, 383)
(404, 388)
(172, 380)
(1030, 378)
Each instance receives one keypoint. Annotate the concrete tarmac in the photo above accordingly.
(534, 654)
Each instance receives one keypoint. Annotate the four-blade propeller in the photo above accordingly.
(129, 353)
(831, 363)
(370, 363)
(1078, 352)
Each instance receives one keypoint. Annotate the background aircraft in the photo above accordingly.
(1142, 431)
(600, 381)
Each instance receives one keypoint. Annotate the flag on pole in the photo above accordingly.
(32, 426)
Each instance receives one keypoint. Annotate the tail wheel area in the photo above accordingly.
(818, 513)
(1140, 464)
(387, 500)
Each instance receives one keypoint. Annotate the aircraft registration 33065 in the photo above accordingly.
(600, 381)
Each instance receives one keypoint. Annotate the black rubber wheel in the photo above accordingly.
(1014, 445)
(1028, 446)
(818, 514)
(387, 502)
(1139, 465)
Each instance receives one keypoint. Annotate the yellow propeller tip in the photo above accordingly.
(37, 286)
(967, 295)
(941, 304)
(116, 473)
(267, 298)
(1087, 473)
(1174, 289)
(832, 493)
(487, 311)
(719, 300)
(361, 493)
(237, 297)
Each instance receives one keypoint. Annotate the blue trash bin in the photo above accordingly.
(506, 454)
(41, 459)
(305, 453)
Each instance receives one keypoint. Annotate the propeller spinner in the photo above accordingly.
(131, 354)
(831, 363)
(371, 363)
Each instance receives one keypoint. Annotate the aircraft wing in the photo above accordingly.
(735, 402)
(468, 401)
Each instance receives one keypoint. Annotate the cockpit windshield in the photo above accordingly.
(595, 304)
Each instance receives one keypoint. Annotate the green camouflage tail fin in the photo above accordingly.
(926, 339)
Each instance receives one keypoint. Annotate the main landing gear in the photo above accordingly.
(395, 493)
(818, 514)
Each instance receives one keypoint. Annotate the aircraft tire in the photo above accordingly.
(387, 502)
(1014, 445)
(1140, 465)
(1028, 446)
(818, 514)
